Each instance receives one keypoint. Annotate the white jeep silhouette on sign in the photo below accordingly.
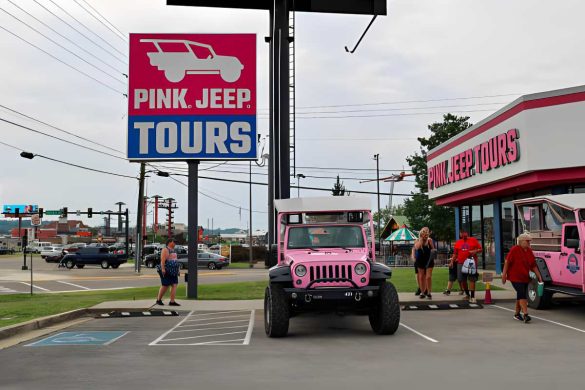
(194, 58)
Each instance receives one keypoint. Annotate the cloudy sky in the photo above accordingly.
(426, 58)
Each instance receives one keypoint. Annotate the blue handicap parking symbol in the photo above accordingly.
(80, 338)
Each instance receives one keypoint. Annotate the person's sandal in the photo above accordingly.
(527, 318)
(417, 293)
(447, 292)
(174, 304)
(160, 303)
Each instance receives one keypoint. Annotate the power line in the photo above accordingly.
(110, 23)
(219, 200)
(293, 186)
(60, 129)
(63, 47)
(10, 146)
(65, 63)
(387, 115)
(86, 168)
(82, 34)
(72, 164)
(60, 139)
(99, 20)
(87, 28)
(401, 108)
(64, 37)
(411, 101)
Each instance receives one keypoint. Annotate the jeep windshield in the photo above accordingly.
(325, 237)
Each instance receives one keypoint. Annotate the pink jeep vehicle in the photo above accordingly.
(557, 226)
(326, 262)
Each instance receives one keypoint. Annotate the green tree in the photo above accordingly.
(420, 210)
(338, 188)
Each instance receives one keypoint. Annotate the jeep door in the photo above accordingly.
(571, 272)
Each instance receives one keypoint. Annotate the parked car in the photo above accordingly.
(204, 259)
(71, 248)
(92, 255)
(37, 247)
(6, 251)
(120, 249)
(52, 254)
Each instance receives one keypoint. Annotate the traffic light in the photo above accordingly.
(17, 212)
(64, 212)
(41, 211)
(89, 212)
(24, 241)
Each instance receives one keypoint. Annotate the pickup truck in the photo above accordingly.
(92, 256)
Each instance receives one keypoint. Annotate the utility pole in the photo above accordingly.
(377, 158)
(139, 213)
(250, 228)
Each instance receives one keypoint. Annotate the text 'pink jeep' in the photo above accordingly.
(557, 226)
(326, 262)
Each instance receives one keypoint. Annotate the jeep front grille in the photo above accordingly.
(330, 272)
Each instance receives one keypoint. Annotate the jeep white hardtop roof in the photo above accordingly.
(568, 201)
(323, 204)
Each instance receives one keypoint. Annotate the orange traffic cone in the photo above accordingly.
(488, 295)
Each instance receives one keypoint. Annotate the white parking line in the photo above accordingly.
(419, 333)
(202, 336)
(197, 329)
(74, 285)
(250, 328)
(544, 319)
(218, 318)
(7, 290)
(218, 342)
(195, 337)
(213, 323)
(35, 286)
(219, 312)
(162, 336)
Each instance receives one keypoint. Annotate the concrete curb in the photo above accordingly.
(43, 322)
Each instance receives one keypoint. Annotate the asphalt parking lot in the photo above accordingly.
(482, 349)
(48, 278)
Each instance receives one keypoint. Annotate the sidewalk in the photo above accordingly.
(258, 304)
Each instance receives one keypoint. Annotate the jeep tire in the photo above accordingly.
(276, 311)
(534, 301)
(385, 316)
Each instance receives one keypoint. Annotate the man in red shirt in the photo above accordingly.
(519, 262)
(466, 247)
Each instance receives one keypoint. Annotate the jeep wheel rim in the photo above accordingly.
(531, 293)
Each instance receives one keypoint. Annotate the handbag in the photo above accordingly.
(469, 267)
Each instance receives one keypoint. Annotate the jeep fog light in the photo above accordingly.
(360, 269)
(300, 271)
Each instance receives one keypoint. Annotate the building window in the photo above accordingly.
(508, 226)
(489, 247)
(465, 223)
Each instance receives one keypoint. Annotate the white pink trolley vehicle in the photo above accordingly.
(557, 226)
(326, 262)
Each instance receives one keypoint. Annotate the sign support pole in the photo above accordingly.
(22, 247)
(139, 218)
(193, 226)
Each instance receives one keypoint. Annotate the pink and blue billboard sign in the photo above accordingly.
(192, 96)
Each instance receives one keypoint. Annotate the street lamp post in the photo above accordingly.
(377, 158)
(299, 177)
(120, 204)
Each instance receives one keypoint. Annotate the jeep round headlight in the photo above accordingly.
(300, 271)
(360, 269)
